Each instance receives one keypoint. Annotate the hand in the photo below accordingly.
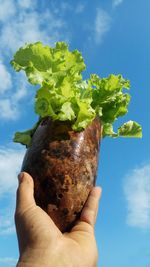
(42, 244)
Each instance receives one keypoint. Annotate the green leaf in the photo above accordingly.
(42, 63)
(23, 137)
(85, 115)
(64, 94)
(116, 107)
(42, 107)
(66, 112)
(108, 130)
(130, 129)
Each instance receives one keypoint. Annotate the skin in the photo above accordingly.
(41, 244)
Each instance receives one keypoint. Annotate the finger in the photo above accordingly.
(89, 212)
(25, 193)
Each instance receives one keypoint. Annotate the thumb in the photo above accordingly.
(25, 193)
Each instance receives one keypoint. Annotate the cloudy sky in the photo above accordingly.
(114, 37)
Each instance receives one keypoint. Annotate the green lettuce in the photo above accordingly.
(64, 95)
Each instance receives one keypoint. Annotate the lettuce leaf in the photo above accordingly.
(25, 138)
(130, 129)
(46, 64)
(64, 95)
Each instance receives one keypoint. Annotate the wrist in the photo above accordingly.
(35, 258)
(43, 258)
(27, 264)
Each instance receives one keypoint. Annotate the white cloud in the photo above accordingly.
(8, 109)
(25, 29)
(10, 164)
(22, 88)
(7, 10)
(8, 261)
(27, 3)
(102, 24)
(29, 25)
(5, 79)
(7, 226)
(10, 101)
(117, 2)
(137, 194)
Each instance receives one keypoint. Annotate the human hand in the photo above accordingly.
(40, 241)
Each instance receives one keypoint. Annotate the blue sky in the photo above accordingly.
(114, 37)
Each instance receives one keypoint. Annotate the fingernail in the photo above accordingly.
(20, 177)
(99, 192)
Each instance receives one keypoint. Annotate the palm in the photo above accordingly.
(37, 230)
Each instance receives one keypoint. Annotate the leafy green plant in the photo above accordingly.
(64, 95)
